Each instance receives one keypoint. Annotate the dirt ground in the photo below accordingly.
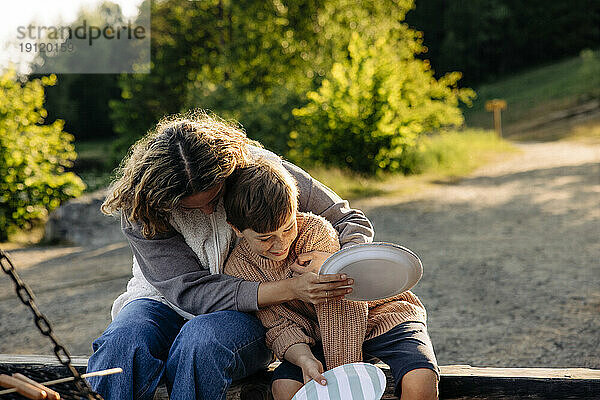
(511, 260)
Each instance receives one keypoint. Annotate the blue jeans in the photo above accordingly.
(196, 359)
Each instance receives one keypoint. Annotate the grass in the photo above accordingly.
(540, 91)
(458, 153)
(587, 132)
(95, 180)
(444, 157)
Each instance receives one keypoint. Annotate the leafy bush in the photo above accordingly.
(373, 107)
(33, 156)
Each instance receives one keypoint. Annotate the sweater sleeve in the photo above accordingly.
(282, 332)
(284, 328)
(343, 323)
(316, 234)
(351, 224)
(172, 267)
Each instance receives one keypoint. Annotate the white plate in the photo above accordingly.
(348, 382)
(379, 270)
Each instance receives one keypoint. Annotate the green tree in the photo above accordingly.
(374, 105)
(266, 48)
(256, 61)
(491, 38)
(180, 45)
(33, 155)
(244, 60)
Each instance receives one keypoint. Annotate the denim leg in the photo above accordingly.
(138, 340)
(213, 349)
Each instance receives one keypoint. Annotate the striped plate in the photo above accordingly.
(356, 381)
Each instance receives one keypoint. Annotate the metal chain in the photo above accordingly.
(26, 296)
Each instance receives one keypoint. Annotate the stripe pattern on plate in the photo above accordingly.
(356, 381)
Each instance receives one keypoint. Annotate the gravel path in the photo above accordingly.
(511, 257)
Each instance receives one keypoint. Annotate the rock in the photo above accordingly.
(79, 221)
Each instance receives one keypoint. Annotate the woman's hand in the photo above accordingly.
(305, 285)
(309, 262)
(312, 288)
(312, 369)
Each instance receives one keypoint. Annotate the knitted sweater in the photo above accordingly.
(341, 325)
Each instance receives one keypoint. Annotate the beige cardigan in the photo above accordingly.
(341, 325)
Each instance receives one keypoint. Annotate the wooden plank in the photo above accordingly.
(543, 373)
(457, 381)
(467, 388)
(39, 360)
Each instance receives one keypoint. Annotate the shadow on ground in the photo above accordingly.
(75, 291)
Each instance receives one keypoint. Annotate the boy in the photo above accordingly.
(261, 206)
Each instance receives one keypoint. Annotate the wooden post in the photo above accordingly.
(496, 105)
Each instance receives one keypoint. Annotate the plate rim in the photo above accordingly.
(375, 245)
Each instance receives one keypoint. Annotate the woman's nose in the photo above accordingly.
(208, 209)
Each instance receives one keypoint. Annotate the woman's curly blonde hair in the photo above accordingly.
(183, 155)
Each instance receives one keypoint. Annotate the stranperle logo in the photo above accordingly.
(82, 32)
(106, 38)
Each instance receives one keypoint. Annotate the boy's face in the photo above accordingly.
(272, 245)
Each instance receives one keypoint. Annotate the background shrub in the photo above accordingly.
(373, 107)
(33, 156)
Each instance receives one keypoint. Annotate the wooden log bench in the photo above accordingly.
(457, 381)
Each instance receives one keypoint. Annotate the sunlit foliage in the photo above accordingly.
(373, 107)
(33, 155)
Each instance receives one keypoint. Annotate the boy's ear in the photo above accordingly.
(237, 232)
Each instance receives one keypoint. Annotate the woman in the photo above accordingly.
(181, 321)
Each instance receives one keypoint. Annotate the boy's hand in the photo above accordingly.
(313, 369)
(309, 262)
(301, 355)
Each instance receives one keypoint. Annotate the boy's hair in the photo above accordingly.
(261, 196)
